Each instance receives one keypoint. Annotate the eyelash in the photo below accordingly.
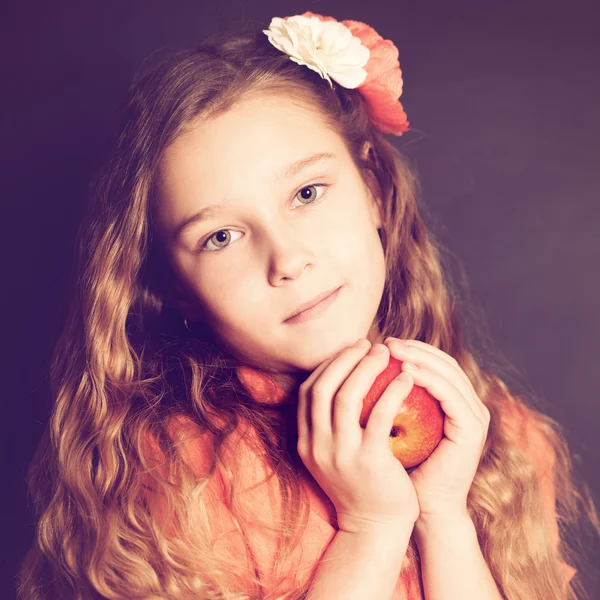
(317, 201)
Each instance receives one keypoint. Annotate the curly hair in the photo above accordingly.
(124, 370)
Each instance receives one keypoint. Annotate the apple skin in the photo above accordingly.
(418, 427)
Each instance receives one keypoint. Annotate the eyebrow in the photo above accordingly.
(213, 210)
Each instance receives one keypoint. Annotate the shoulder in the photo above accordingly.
(526, 432)
(195, 445)
(197, 448)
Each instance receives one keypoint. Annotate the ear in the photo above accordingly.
(374, 196)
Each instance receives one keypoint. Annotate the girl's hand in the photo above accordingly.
(355, 467)
(443, 480)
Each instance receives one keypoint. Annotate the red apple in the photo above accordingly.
(418, 427)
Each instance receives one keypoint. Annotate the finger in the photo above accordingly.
(447, 357)
(461, 418)
(310, 380)
(303, 426)
(304, 412)
(304, 406)
(447, 367)
(381, 420)
(348, 404)
(464, 384)
(437, 352)
(326, 388)
(428, 348)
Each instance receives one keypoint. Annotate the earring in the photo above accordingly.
(185, 323)
(365, 150)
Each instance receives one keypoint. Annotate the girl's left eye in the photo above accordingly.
(204, 246)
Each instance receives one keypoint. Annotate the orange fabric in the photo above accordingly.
(533, 443)
(265, 502)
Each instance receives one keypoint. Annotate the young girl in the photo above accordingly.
(204, 442)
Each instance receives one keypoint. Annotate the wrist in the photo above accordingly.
(452, 522)
(361, 526)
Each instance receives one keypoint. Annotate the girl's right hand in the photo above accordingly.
(355, 467)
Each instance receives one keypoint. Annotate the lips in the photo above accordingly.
(312, 302)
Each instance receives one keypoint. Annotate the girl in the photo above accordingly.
(204, 441)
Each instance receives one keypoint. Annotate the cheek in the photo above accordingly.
(231, 304)
(366, 265)
(359, 241)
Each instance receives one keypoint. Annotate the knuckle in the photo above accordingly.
(342, 401)
(364, 462)
(302, 448)
(319, 456)
(319, 390)
(380, 350)
(302, 388)
(340, 461)
(376, 418)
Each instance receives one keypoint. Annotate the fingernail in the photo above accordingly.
(362, 343)
(376, 350)
(409, 366)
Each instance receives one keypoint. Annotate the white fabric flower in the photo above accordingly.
(327, 47)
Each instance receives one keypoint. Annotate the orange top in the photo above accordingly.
(533, 443)
(265, 503)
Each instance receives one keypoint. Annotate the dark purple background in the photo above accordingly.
(503, 102)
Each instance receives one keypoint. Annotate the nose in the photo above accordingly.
(289, 256)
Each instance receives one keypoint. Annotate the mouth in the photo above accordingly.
(315, 307)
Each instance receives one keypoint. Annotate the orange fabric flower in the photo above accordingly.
(260, 385)
(383, 85)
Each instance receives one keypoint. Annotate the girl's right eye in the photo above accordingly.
(223, 232)
(203, 247)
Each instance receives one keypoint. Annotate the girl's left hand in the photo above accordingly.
(443, 480)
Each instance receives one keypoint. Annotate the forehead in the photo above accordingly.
(252, 143)
(267, 125)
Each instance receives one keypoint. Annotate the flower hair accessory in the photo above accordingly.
(351, 53)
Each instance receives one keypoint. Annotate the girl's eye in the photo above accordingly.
(224, 234)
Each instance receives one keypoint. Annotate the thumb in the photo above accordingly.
(385, 410)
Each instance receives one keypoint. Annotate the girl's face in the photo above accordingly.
(278, 235)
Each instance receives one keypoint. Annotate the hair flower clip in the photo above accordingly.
(327, 47)
(351, 53)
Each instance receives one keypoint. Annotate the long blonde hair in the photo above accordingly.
(124, 367)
